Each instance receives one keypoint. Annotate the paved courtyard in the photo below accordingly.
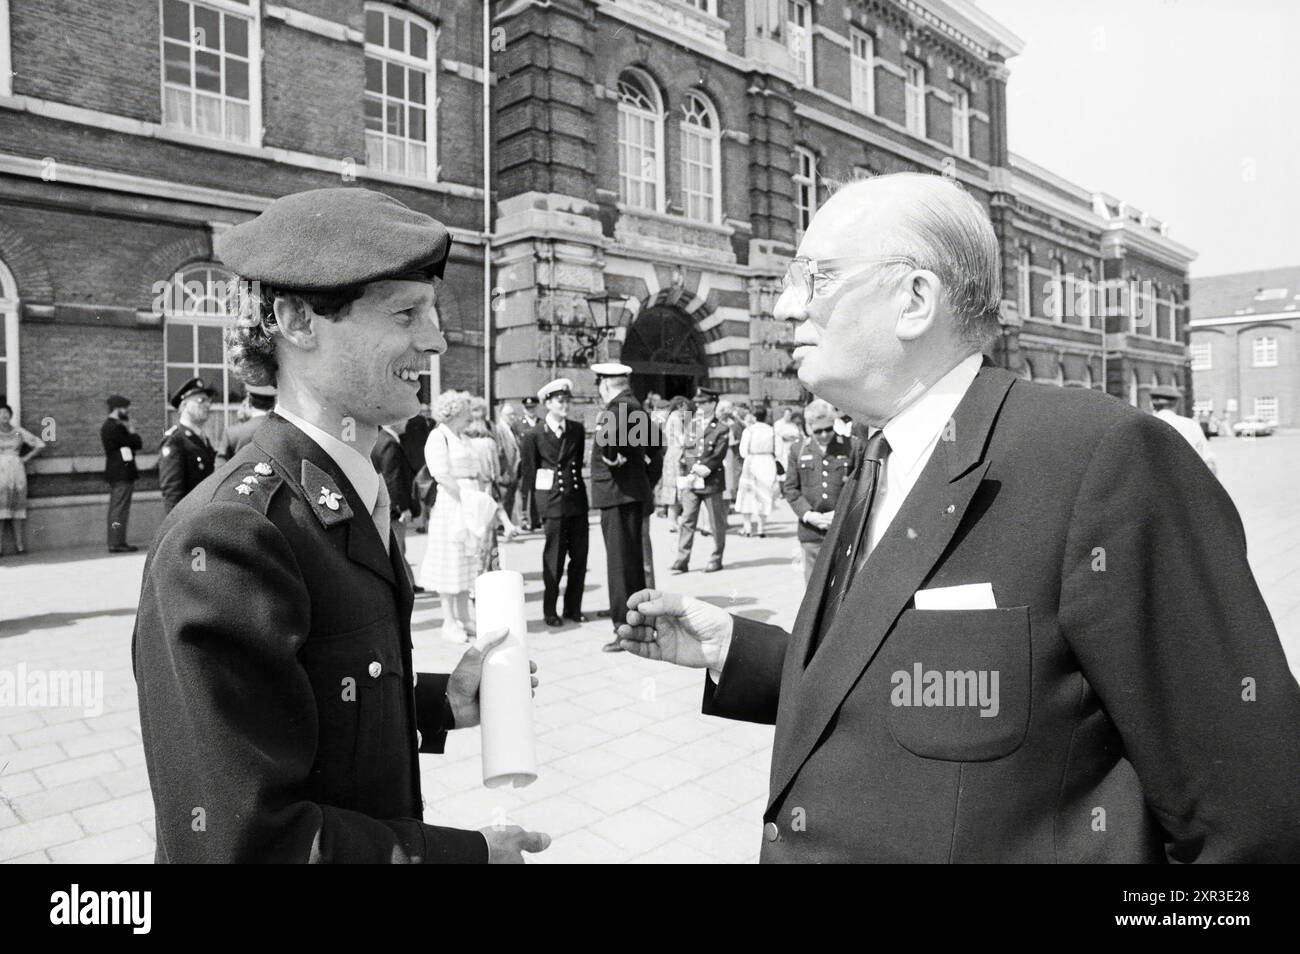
(630, 771)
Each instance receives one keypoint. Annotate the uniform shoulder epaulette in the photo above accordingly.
(170, 431)
(254, 483)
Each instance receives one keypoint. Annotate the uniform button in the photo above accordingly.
(771, 832)
(375, 669)
(825, 484)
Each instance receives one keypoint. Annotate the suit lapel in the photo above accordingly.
(915, 542)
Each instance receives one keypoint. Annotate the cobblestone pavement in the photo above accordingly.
(630, 770)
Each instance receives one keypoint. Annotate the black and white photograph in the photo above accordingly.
(700, 432)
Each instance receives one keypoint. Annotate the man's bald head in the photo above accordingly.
(931, 221)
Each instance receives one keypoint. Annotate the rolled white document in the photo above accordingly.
(506, 692)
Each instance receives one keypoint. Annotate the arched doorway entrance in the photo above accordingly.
(665, 352)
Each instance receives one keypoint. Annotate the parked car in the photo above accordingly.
(1253, 427)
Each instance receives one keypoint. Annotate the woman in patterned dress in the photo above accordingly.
(758, 473)
(13, 475)
(452, 558)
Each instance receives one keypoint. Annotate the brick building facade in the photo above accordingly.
(653, 165)
(1245, 333)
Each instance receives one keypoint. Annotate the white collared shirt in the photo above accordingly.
(357, 468)
(556, 429)
(913, 433)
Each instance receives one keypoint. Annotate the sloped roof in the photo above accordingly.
(1225, 296)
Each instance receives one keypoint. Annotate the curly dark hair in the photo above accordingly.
(250, 344)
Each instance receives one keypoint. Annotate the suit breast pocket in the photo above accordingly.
(357, 680)
(960, 682)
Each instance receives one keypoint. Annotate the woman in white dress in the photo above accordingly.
(757, 473)
(452, 559)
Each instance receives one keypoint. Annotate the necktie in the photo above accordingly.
(851, 548)
(383, 518)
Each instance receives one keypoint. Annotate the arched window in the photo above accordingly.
(1088, 380)
(9, 342)
(198, 307)
(640, 142)
(701, 160)
(805, 189)
(1083, 294)
(1056, 295)
(400, 76)
(1024, 283)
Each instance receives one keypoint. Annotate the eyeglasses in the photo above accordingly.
(803, 274)
(823, 430)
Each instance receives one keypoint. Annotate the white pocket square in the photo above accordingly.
(968, 596)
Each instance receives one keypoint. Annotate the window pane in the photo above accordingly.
(417, 124)
(375, 27)
(418, 156)
(236, 121)
(396, 81)
(176, 20)
(395, 39)
(176, 107)
(207, 116)
(374, 75)
(393, 156)
(176, 377)
(207, 28)
(180, 344)
(374, 113)
(237, 36)
(176, 63)
(416, 79)
(237, 79)
(210, 350)
(419, 40)
(207, 71)
(394, 125)
(374, 151)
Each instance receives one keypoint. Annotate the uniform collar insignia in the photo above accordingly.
(327, 501)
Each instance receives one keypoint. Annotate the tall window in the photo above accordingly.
(1202, 356)
(914, 97)
(1264, 352)
(1083, 295)
(1134, 306)
(862, 70)
(960, 121)
(1056, 294)
(1266, 408)
(210, 69)
(805, 189)
(799, 36)
(701, 160)
(1024, 283)
(197, 310)
(9, 341)
(400, 133)
(640, 143)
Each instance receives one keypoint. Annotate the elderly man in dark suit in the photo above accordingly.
(551, 457)
(621, 456)
(394, 467)
(281, 717)
(1032, 634)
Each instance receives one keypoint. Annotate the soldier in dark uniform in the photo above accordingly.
(703, 456)
(529, 519)
(121, 443)
(814, 476)
(186, 457)
(261, 399)
(279, 709)
(621, 456)
(551, 453)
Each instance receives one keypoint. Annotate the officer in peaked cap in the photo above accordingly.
(186, 457)
(815, 474)
(272, 647)
(551, 454)
(703, 479)
(625, 458)
(529, 518)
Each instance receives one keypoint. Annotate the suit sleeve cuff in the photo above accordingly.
(433, 715)
(454, 846)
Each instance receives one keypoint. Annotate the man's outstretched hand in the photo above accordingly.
(507, 842)
(677, 629)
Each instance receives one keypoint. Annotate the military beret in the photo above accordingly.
(330, 238)
(558, 386)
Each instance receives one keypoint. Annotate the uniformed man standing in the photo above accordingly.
(703, 456)
(621, 486)
(186, 457)
(260, 401)
(552, 454)
(121, 443)
(814, 475)
(529, 519)
(281, 716)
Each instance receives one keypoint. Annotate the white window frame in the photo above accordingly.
(1025, 283)
(914, 97)
(695, 107)
(6, 63)
(645, 108)
(704, 6)
(800, 38)
(1263, 351)
(223, 412)
(1058, 292)
(1262, 415)
(429, 67)
(961, 121)
(805, 189)
(1202, 355)
(9, 308)
(250, 12)
(1202, 406)
(862, 69)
